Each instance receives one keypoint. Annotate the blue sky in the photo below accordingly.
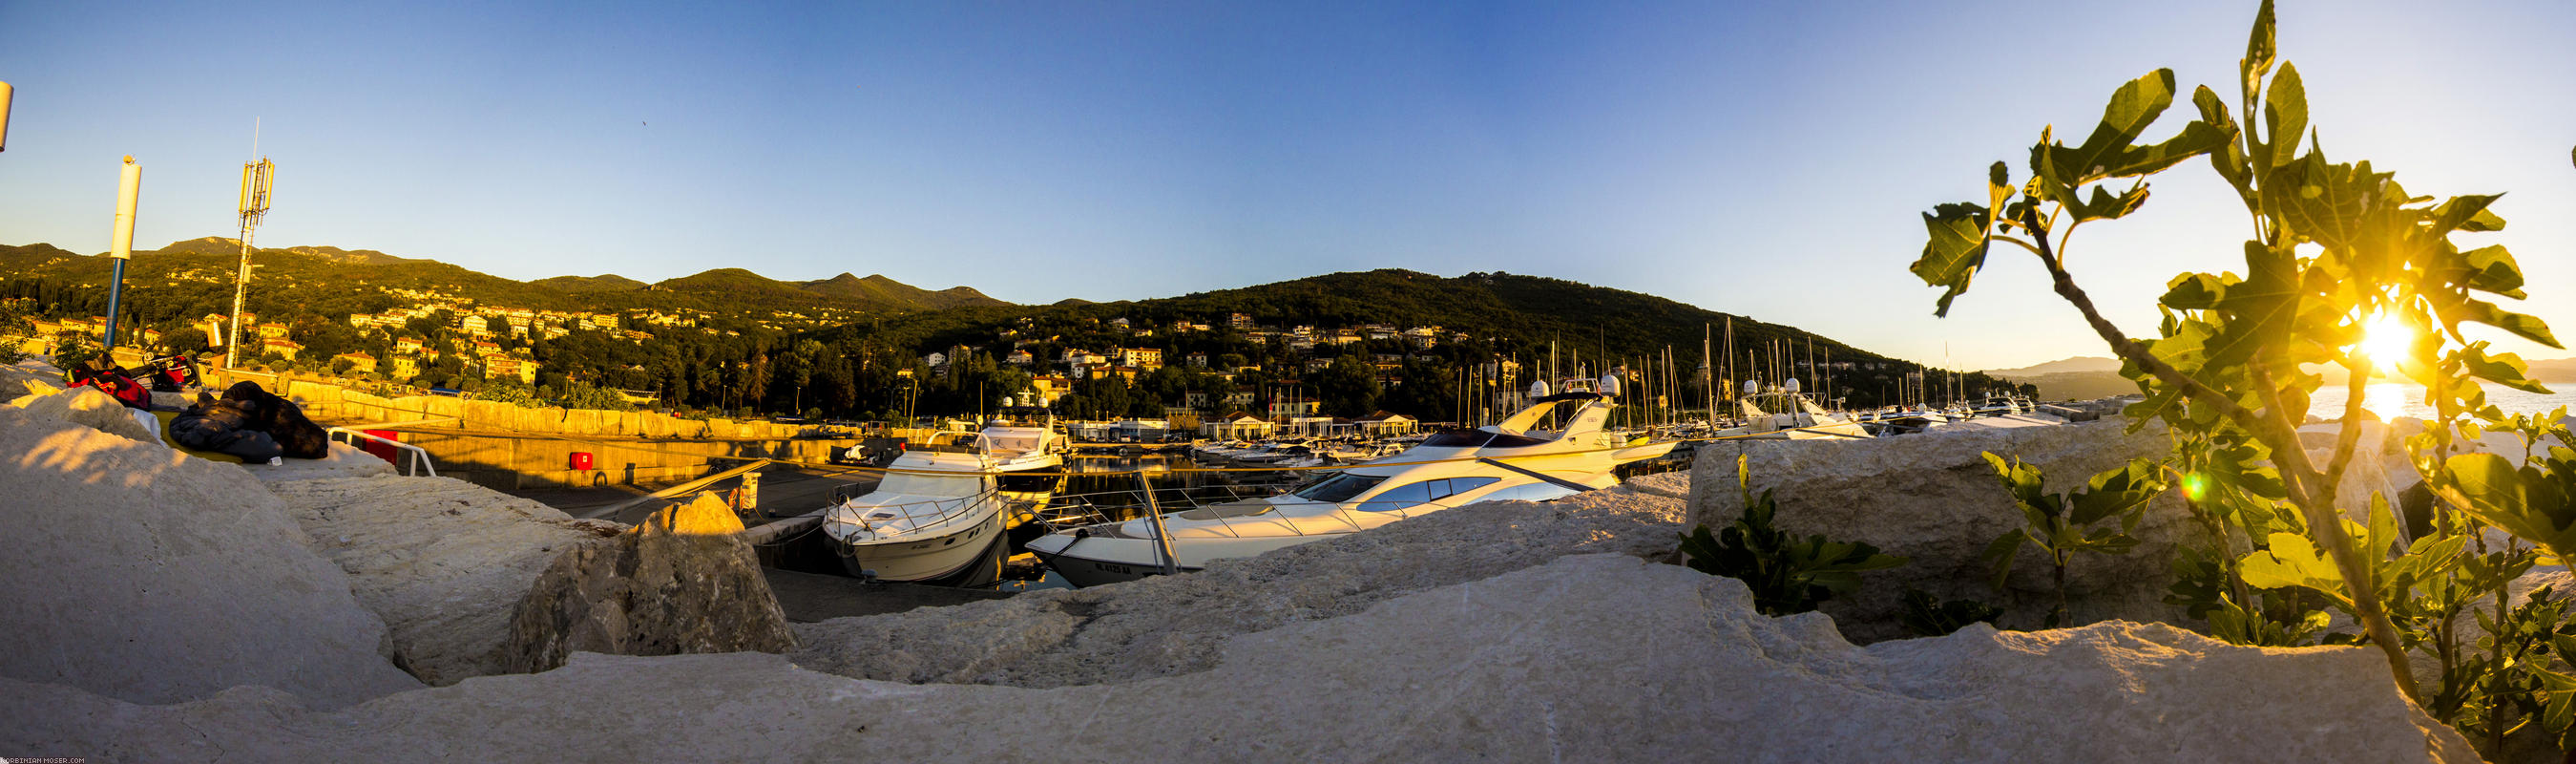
(1768, 160)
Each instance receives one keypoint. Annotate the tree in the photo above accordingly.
(1347, 388)
(2344, 268)
(184, 340)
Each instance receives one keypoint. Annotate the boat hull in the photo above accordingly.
(1088, 572)
(968, 557)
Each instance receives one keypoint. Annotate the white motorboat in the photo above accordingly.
(1024, 438)
(937, 518)
(1803, 419)
(1512, 460)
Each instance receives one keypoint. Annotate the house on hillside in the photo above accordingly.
(500, 367)
(359, 363)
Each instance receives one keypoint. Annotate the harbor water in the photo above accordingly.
(2389, 400)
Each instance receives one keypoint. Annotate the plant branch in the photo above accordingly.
(2120, 342)
(2322, 521)
(2357, 381)
(2326, 526)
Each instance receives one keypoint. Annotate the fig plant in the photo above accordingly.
(2095, 519)
(2336, 251)
(1786, 574)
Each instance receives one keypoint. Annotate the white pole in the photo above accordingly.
(129, 190)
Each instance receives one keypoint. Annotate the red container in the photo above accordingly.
(385, 451)
(581, 460)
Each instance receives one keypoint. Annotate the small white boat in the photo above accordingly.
(1804, 419)
(1512, 460)
(936, 518)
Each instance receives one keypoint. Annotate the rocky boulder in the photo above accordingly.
(647, 592)
(142, 574)
(1586, 658)
(443, 561)
(87, 407)
(1168, 625)
(1932, 499)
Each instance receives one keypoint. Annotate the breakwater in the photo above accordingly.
(510, 447)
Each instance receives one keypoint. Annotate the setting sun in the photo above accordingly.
(2385, 338)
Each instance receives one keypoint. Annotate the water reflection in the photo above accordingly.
(2388, 400)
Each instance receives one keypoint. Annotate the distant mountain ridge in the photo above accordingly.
(218, 245)
(605, 282)
(2078, 364)
(878, 288)
(718, 289)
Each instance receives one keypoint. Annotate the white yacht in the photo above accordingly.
(937, 517)
(1024, 438)
(1512, 460)
(1803, 418)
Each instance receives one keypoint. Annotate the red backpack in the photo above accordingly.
(116, 384)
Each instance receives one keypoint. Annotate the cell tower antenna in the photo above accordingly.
(259, 177)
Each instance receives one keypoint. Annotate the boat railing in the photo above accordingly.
(1069, 511)
(920, 514)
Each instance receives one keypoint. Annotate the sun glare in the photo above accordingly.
(2386, 339)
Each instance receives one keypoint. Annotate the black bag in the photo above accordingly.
(222, 427)
(281, 419)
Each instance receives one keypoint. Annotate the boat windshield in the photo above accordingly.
(909, 484)
(1338, 488)
(1481, 439)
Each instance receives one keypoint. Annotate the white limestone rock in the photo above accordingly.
(343, 461)
(443, 561)
(87, 407)
(143, 574)
(1933, 499)
(1167, 625)
(1587, 658)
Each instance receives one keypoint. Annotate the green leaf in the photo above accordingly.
(2285, 116)
(2505, 369)
(2259, 47)
(2467, 213)
(1955, 249)
(2116, 492)
(2501, 495)
(1999, 187)
(2193, 291)
(2293, 562)
(2492, 269)
(2196, 138)
(1999, 554)
(2321, 202)
(2133, 107)
(2104, 206)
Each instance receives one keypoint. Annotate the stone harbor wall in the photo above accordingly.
(511, 447)
(1932, 499)
(1166, 625)
(166, 608)
(1587, 658)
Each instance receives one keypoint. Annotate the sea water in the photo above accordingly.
(2394, 399)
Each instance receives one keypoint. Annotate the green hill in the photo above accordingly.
(882, 290)
(194, 277)
(606, 282)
